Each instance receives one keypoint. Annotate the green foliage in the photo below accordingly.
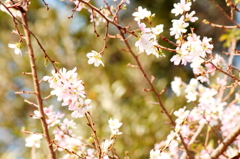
(229, 35)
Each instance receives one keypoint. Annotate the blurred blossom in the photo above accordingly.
(141, 14)
(176, 84)
(181, 7)
(33, 141)
(17, 48)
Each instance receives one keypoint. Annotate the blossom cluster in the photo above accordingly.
(34, 140)
(210, 110)
(64, 137)
(114, 126)
(147, 41)
(70, 90)
(190, 49)
(209, 107)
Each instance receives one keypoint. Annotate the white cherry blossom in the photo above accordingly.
(181, 7)
(95, 58)
(33, 140)
(158, 29)
(17, 48)
(141, 14)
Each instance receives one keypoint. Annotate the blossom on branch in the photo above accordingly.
(95, 58)
(147, 43)
(158, 29)
(114, 126)
(179, 27)
(17, 48)
(141, 14)
(181, 7)
(33, 141)
(191, 49)
(70, 90)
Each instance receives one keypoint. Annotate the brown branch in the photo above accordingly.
(108, 7)
(115, 17)
(217, 25)
(36, 84)
(164, 48)
(27, 73)
(232, 89)
(224, 72)
(105, 39)
(96, 140)
(193, 138)
(230, 3)
(30, 103)
(45, 4)
(108, 19)
(94, 24)
(167, 40)
(29, 132)
(74, 10)
(15, 20)
(226, 142)
(22, 92)
(153, 90)
(47, 97)
(224, 13)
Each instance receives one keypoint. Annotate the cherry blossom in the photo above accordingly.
(95, 58)
(175, 85)
(33, 140)
(70, 90)
(191, 96)
(191, 49)
(154, 154)
(147, 43)
(17, 48)
(80, 108)
(142, 27)
(158, 29)
(189, 17)
(181, 7)
(105, 145)
(179, 27)
(127, 1)
(141, 14)
(114, 126)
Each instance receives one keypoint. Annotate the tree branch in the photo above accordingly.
(226, 142)
(36, 84)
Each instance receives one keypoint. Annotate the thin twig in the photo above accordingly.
(154, 90)
(224, 13)
(96, 140)
(30, 103)
(36, 85)
(15, 20)
(218, 26)
(22, 92)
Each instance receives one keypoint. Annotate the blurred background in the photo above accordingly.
(115, 90)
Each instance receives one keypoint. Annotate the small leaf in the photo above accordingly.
(46, 62)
